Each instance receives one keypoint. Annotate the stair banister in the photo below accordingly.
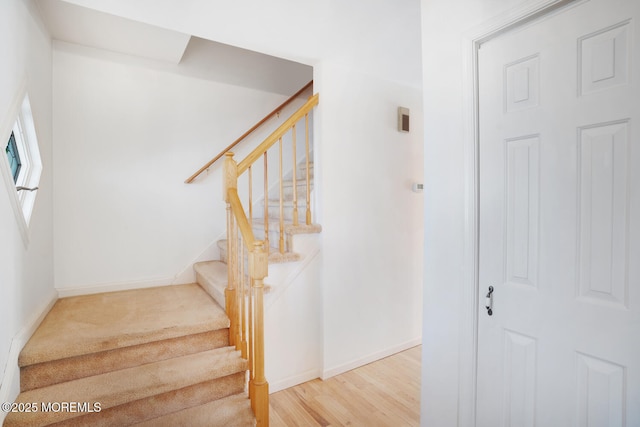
(281, 222)
(249, 132)
(306, 126)
(230, 182)
(246, 316)
(277, 134)
(245, 308)
(294, 180)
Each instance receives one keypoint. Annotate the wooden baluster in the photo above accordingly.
(238, 277)
(250, 177)
(306, 126)
(230, 181)
(250, 316)
(230, 291)
(281, 242)
(245, 298)
(243, 308)
(258, 268)
(249, 332)
(236, 280)
(239, 288)
(266, 203)
(295, 185)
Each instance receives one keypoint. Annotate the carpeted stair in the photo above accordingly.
(213, 276)
(152, 357)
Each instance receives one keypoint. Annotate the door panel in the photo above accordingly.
(560, 220)
(603, 152)
(522, 205)
(520, 379)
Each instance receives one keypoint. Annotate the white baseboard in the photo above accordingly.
(10, 386)
(73, 291)
(293, 380)
(332, 372)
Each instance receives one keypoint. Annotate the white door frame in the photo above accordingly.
(473, 39)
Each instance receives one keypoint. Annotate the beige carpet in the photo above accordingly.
(93, 323)
(152, 354)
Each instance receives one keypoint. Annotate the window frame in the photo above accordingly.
(19, 121)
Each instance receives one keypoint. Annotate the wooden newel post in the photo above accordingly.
(230, 180)
(258, 269)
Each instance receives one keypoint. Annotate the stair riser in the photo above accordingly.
(144, 409)
(224, 258)
(274, 201)
(215, 292)
(223, 252)
(273, 257)
(287, 211)
(188, 397)
(274, 236)
(232, 411)
(287, 190)
(301, 171)
(61, 370)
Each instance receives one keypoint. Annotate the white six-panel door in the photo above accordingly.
(559, 227)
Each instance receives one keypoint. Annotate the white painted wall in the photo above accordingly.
(366, 64)
(293, 317)
(26, 271)
(372, 221)
(447, 365)
(127, 135)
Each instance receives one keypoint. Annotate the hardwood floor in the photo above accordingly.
(383, 393)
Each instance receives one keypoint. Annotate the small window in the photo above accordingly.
(14, 157)
(22, 168)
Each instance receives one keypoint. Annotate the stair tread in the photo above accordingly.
(289, 228)
(287, 202)
(231, 411)
(274, 253)
(215, 274)
(300, 180)
(127, 385)
(94, 323)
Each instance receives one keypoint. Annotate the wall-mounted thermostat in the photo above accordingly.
(417, 187)
(403, 119)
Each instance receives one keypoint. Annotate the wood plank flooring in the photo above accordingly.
(383, 393)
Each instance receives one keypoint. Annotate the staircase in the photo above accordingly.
(213, 275)
(177, 355)
(150, 357)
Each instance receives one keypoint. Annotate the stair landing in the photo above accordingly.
(93, 323)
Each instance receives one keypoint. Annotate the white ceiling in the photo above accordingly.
(88, 27)
(179, 52)
(378, 37)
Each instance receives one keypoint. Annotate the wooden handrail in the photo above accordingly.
(241, 217)
(277, 134)
(247, 133)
